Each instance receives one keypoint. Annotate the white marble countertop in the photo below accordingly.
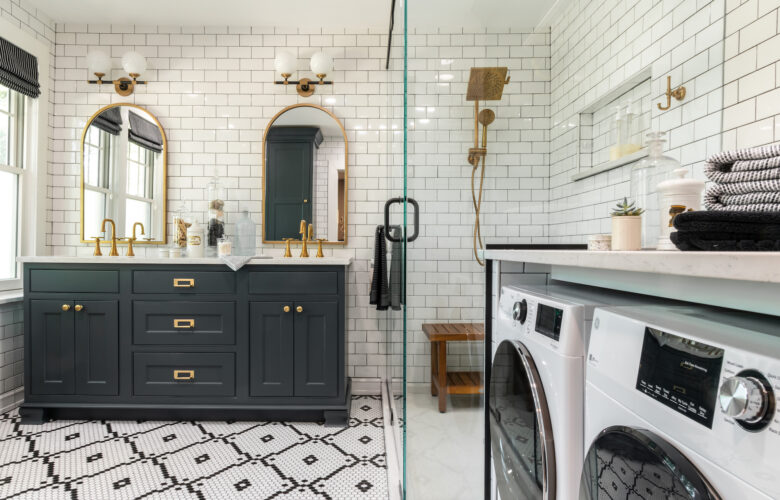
(257, 261)
(747, 266)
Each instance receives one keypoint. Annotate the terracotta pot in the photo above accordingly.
(627, 232)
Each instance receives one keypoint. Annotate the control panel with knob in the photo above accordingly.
(520, 311)
(748, 398)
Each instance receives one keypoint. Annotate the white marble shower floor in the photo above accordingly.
(444, 454)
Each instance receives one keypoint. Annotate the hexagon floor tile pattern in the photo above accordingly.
(108, 460)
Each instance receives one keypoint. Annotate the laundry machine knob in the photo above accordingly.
(520, 311)
(744, 398)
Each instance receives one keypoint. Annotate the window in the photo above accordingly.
(140, 186)
(98, 159)
(12, 164)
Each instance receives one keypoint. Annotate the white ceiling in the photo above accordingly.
(300, 13)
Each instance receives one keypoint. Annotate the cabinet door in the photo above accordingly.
(316, 349)
(271, 349)
(97, 347)
(51, 339)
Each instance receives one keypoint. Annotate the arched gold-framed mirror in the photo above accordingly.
(305, 175)
(124, 173)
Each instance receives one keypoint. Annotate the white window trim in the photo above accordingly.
(32, 188)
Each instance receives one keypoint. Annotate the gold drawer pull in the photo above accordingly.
(183, 283)
(286, 309)
(79, 308)
(66, 307)
(299, 309)
(183, 374)
(184, 323)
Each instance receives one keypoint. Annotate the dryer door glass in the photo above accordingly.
(634, 463)
(520, 429)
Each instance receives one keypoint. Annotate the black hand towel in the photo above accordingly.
(396, 287)
(379, 293)
(689, 241)
(763, 225)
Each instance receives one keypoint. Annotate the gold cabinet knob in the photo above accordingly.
(79, 307)
(286, 309)
(66, 307)
(299, 309)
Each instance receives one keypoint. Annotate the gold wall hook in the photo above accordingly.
(678, 93)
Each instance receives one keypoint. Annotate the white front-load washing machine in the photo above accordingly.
(535, 394)
(682, 404)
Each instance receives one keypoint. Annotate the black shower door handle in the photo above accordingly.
(416, 232)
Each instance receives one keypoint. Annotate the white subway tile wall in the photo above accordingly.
(211, 87)
(751, 74)
(11, 352)
(598, 45)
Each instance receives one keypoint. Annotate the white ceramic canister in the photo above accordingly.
(675, 196)
(195, 243)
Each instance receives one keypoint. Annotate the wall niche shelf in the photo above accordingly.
(595, 122)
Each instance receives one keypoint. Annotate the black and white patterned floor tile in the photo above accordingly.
(108, 460)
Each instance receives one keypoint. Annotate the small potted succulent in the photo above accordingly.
(627, 226)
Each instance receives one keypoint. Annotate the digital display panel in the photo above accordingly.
(548, 321)
(682, 374)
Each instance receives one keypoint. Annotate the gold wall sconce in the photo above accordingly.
(321, 64)
(134, 64)
(678, 93)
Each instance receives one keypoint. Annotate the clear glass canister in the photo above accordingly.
(180, 226)
(245, 235)
(216, 225)
(645, 176)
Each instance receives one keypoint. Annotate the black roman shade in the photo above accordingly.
(109, 121)
(18, 69)
(144, 133)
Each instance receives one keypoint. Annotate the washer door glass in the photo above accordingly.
(520, 429)
(629, 463)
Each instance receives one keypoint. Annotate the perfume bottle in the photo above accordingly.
(645, 176)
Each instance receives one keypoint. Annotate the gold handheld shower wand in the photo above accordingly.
(484, 84)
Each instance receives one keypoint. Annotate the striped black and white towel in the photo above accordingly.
(744, 179)
(754, 196)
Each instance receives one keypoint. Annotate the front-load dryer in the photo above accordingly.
(682, 404)
(536, 388)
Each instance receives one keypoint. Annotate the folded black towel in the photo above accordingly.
(690, 241)
(379, 291)
(762, 225)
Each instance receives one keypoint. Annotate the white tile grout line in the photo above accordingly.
(392, 456)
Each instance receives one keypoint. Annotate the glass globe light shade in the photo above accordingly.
(98, 62)
(134, 63)
(285, 63)
(321, 63)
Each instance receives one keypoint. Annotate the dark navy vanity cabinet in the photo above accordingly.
(181, 341)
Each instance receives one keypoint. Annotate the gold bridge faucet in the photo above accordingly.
(113, 252)
(304, 239)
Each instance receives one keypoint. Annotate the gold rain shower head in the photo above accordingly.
(486, 84)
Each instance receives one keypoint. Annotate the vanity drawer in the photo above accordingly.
(74, 281)
(187, 323)
(294, 282)
(184, 282)
(184, 374)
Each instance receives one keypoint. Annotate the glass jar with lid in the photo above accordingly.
(645, 176)
(216, 225)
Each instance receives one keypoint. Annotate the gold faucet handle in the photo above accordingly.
(130, 240)
(319, 247)
(302, 230)
(311, 232)
(287, 252)
(97, 252)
